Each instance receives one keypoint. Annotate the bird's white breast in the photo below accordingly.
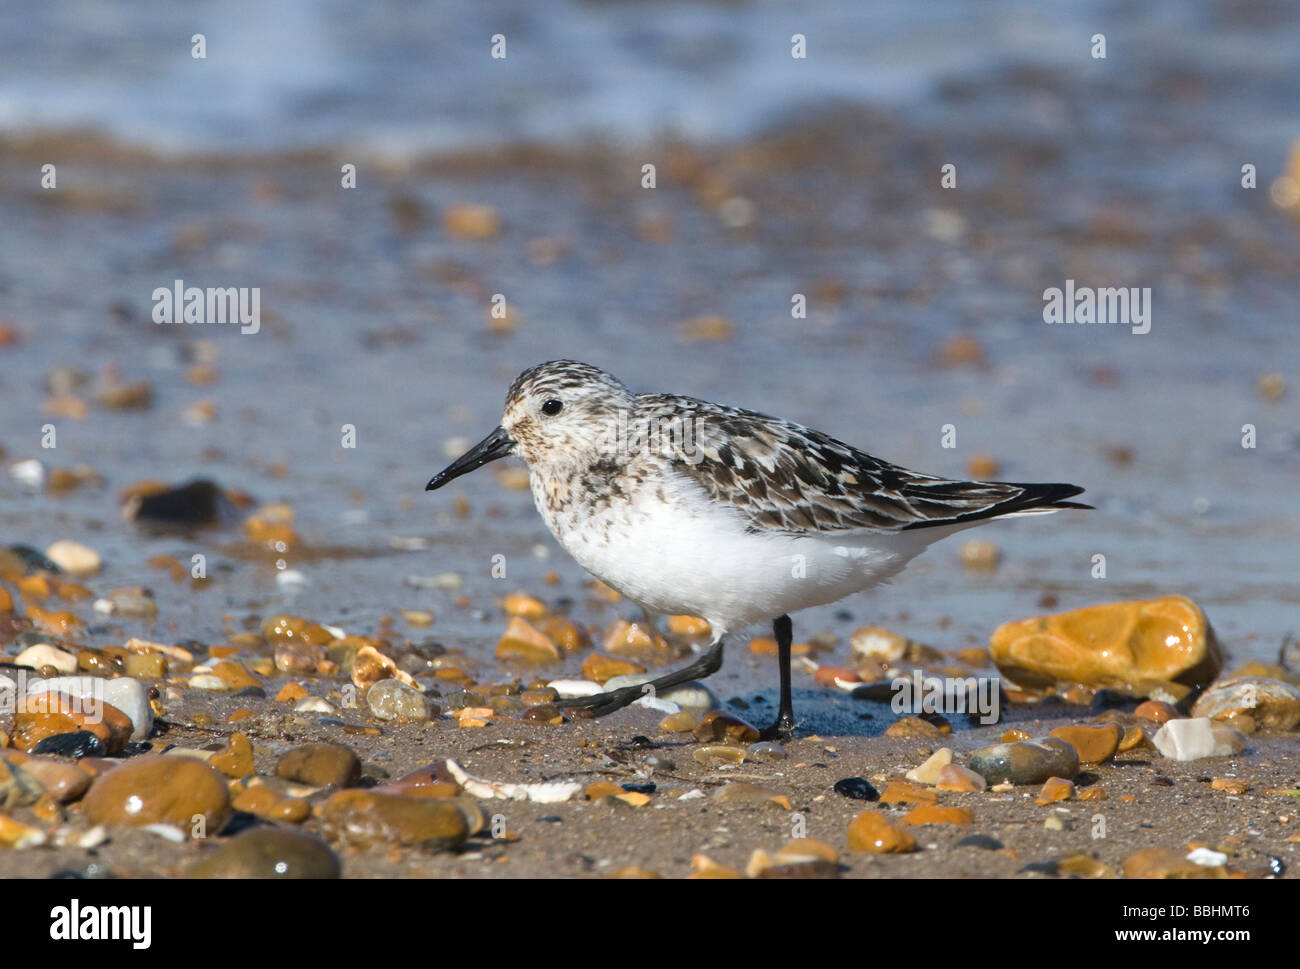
(666, 545)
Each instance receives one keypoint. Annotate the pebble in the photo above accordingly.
(76, 745)
(65, 782)
(1084, 866)
(18, 787)
(363, 819)
(523, 643)
(43, 654)
(751, 794)
(1118, 644)
(1157, 711)
(1166, 863)
(601, 668)
(272, 805)
(928, 773)
(717, 755)
(878, 645)
(1094, 745)
(800, 858)
(954, 777)
(719, 725)
(856, 788)
(320, 765)
(156, 789)
(872, 831)
(237, 759)
(314, 704)
(123, 692)
(765, 752)
(1197, 737)
(901, 792)
(197, 502)
(269, 853)
(47, 713)
(1268, 702)
(1056, 789)
(1026, 761)
(299, 658)
(682, 722)
(984, 842)
(913, 728)
(207, 681)
(939, 814)
(74, 558)
(570, 689)
(1233, 785)
(394, 700)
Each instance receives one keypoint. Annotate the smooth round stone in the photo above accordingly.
(1270, 703)
(269, 853)
(765, 752)
(928, 773)
(43, 654)
(719, 725)
(265, 802)
(857, 788)
(206, 681)
(394, 700)
(872, 831)
(19, 787)
(314, 704)
(123, 692)
(1026, 761)
(982, 841)
(1094, 745)
(717, 755)
(320, 765)
(74, 558)
(364, 818)
(158, 789)
(63, 781)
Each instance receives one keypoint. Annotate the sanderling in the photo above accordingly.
(688, 507)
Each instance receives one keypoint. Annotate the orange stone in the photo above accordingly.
(266, 803)
(48, 714)
(522, 643)
(291, 693)
(717, 725)
(234, 674)
(1092, 794)
(691, 626)
(903, 792)
(160, 789)
(6, 600)
(600, 668)
(525, 607)
(1116, 644)
(633, 639)
(954, 777)
(913, 728)
(54, 621)
(829, 675)
(1093, 744)
(1012, 736)
(872, 831)
(1233, 785)
(1056, 789)
(939, 814)
(766, 646)
(599, 789)
(237, 759)
(1157, 711)
(1165, 863)
(565, 633)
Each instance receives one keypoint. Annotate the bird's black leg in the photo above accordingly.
(783, 629)
(602, 703)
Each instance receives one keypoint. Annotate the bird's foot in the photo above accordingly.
(783, 729)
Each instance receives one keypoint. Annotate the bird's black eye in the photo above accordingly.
(551, 406)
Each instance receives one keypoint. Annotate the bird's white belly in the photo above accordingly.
(695, 557)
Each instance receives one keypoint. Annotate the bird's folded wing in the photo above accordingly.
(787, 478)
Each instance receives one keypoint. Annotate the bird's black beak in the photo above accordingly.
(495, 445)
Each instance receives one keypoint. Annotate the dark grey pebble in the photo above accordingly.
(80, 744)
(985, 841)
(857, 788)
